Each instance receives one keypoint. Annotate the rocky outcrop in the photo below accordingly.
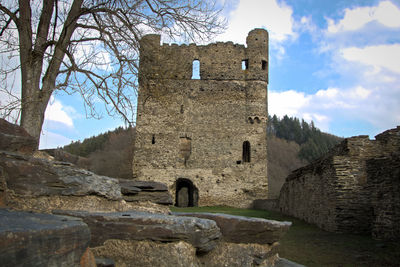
(240, 229)
(37, 184)
(29, 176)
(133, 238)
(133, 190)
(29, 239)
(200, 233)
(15, 139)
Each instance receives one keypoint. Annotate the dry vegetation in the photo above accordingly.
(282, 159)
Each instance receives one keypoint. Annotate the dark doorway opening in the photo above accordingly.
(186, 195)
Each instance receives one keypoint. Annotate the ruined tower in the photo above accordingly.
(202, 118)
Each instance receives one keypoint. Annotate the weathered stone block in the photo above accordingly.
(132, 225)
(29, 239)
(240, 229)
(28, 176)
(133, 190)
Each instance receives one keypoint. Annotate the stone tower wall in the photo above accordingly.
(195, 129)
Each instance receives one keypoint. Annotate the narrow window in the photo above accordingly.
(246, 151)
(153, 139)
(196, 70)
(264, 64)
(181, 109)
(245, 64)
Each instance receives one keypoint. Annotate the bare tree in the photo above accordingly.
(89, 47)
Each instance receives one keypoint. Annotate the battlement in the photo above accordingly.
(215, 61)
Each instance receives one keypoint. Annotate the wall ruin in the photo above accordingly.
(355, 188)
(209, 127)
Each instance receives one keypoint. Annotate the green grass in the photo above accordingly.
(306, 244)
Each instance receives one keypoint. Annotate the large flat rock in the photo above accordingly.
(29, 176)
(34, 239)
(155, 192)
(203, 234)
(240, 229)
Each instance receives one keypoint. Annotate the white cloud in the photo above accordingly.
(55, 111)
(379, 107)
(386, 13)
(52, 140)
(378, 56)
(275, 16)
(287, 102)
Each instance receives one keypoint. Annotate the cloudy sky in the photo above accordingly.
(334, 62)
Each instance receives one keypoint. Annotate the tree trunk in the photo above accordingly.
(32, 113)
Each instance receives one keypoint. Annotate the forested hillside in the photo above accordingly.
(109, 153)
(313, 143)
(291, 144)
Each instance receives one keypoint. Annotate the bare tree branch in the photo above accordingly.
(89, 47)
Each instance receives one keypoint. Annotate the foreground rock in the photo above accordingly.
(145, 191)
(15, 139)
(28, 239)
(29, 176)
(132, 225)
(29, 183)
(240, 229)
(243, 255)
(131, 253)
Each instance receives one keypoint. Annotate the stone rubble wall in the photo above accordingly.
(384, 176)
(354, 188)
(309, 194)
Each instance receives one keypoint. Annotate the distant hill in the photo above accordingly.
(313, 143)
(291, 144)
(109, 153)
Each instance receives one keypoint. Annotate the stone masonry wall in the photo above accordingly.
(354, 188)
(204, 131)
(384, 175)
(309, 194)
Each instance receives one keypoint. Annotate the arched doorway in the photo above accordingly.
(186, 194)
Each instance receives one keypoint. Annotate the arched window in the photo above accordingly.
(196, 69)
(246, 151)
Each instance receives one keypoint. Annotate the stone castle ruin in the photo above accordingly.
(201, 120)
(355, 188)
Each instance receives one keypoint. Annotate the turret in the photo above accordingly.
(257, 54)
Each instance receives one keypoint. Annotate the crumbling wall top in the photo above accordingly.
(216, 61)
